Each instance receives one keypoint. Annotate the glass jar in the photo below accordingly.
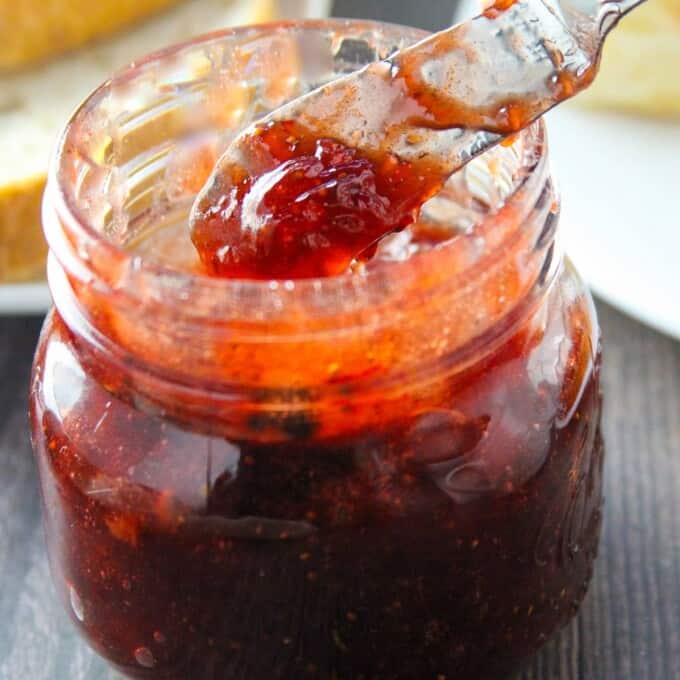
(390, 474)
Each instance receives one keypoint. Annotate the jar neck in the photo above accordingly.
(193, 346)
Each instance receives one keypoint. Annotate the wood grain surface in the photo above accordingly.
(628, 627)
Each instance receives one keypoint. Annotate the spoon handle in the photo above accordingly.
(453, 95)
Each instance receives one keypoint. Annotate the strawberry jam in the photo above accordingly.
(391, 474)
(313, 207)
(448, 543)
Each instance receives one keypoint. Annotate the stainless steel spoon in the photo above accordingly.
(456, 93)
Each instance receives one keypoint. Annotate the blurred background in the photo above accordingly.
(616, 156)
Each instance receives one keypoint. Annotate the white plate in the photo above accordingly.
(24, 298)
(621, 208)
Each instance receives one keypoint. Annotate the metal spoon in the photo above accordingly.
(453, 95)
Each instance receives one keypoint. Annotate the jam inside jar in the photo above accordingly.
(389, 474)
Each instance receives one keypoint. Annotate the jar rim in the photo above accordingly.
(125, 270)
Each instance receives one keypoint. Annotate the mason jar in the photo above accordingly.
(393, 473)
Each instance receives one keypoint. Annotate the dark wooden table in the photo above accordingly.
(629, 625)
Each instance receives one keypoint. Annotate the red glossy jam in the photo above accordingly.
(497, 7)
(314, 206)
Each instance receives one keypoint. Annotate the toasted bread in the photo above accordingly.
(34, 30)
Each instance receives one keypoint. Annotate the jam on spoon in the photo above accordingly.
(319, 182)
(318, 206)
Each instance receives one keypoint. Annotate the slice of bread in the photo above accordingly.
(33, 30)
(22, 248)
(35, 105)
(641, 61)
